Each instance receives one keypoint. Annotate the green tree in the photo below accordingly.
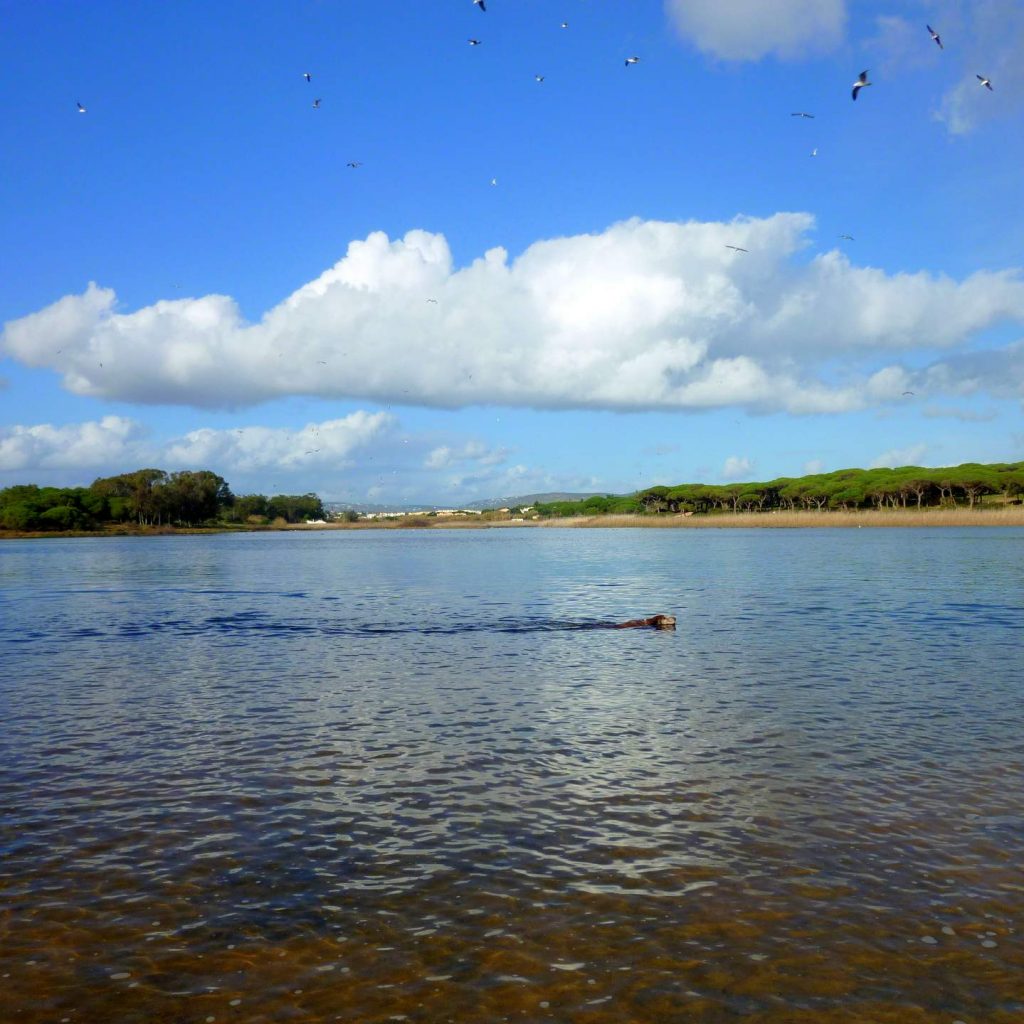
(295, 508)
(63, 517)
(19, 515)
(653, 499)
(246, 506)
(918, 487)
(193, 497)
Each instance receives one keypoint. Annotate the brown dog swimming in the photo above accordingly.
(654, 622)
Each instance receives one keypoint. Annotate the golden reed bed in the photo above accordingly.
(1001, 516)
(1012, 516)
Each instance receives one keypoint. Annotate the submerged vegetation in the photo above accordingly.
(148, 498)
(844, 490)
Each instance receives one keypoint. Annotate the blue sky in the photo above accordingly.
(523, 285)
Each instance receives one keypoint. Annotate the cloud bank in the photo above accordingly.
(362, 456)
(645, 315)
(751, 29)
(120, 444)
(99, 443)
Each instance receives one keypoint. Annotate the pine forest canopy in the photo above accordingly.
(844, 489)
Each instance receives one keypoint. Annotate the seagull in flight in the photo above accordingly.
(565, 24)
(801, 113)
(354, 163)
(539, 78)
(307, 76)
(81, 109)
(473, 42)
(494, 181)
(862, 80)
(814, 152)
(316, 104)
(935, 36)
(848, 238)
(985, 82)
(632, 60)
(736, 247)
(480, 4)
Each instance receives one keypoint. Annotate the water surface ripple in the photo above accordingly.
(409, 776)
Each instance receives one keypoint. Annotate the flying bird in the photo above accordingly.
(736, 247)
(81, 109)
(632, 60)
(307, 76)
(801, 113)
(494, 181)
(433, 301)
(539, 78)
(862, 80)
(848, 238)
(480, 4)
(354, 163)
(565, 24)
(316, 104)
(985, 82)
(814, 152)
(935, 36)
(473, 42)
(908, 392)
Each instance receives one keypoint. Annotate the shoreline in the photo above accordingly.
(778, 520)
(874, 518)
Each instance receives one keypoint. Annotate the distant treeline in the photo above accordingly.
(846, 489)
(148, 497)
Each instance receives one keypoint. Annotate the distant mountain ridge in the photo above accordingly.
(532, 499)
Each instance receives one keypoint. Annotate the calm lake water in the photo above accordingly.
(384, 776)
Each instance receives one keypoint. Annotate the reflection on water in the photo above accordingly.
(349, 777)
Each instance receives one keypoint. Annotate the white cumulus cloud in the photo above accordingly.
(911, 455)
(247, 449)
(643, 315)
(737, 467)
(444, 456)
(751, 29)
(115, 444)
(110, 440)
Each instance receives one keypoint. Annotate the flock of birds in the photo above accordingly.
(861, 82)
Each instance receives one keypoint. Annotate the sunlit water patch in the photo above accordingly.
(411, 776)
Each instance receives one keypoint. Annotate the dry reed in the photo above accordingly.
(909, 517)
(1004, 516)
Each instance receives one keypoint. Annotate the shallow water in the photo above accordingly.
(396, 776)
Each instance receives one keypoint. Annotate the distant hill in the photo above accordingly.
(532, 499)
